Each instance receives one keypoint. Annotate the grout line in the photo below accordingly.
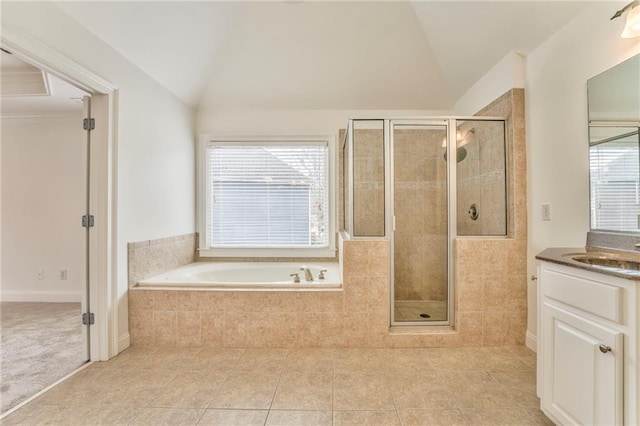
(275, 392)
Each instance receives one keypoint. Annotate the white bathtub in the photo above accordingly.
(247, 275)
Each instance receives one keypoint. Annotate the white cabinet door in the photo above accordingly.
(583, 369)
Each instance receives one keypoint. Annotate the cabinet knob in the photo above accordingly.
(604, 349)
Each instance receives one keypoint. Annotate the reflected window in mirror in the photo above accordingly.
(615, 179)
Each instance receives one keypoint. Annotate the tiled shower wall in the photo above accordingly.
(481, 179)
(491, 273)
(368, 182)
(153, 257)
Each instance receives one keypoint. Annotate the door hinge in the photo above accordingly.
(88, 318)
(89, 123)
(88, 221)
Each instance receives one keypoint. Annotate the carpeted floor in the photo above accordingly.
(40, 344)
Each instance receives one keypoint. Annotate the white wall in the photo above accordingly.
(42, 200)
(292, 122)
(155, 140)
(507, 74)
(556, 111)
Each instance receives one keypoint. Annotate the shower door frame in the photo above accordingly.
(449, 125)
(389, 183)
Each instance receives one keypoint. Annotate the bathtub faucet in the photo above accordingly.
(307, 273)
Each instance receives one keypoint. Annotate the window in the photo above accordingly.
(268, 197)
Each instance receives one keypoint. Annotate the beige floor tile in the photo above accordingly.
(168, 416)
(521, 351)
(215, 359)
(246, 389)
(35, 414)
(83, 386)
(357, 361)
(262, 360)
(132, 357)
(488, 385)
(189, 390)
(171, 358)
(359, 391)
(432, 417)
(134, 388)
(366, 418)
(419, 391)
(500, 359)
(455, 359)
(539, 417)
(404, 360)
(476, 389)
(299, 418)
(234, 417)
(498, 417)
(520, 385)
(310, 360)
(304, 391)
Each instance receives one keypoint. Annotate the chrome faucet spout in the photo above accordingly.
(307, 273)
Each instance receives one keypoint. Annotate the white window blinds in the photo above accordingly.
(615, 187)
(267, 195)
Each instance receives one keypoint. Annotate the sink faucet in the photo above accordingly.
(307, 273)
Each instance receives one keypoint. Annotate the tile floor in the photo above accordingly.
(225, 386)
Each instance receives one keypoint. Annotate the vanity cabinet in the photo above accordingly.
(587, 346)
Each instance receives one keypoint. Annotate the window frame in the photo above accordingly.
(202, 194)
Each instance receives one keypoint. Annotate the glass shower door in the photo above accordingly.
(420, 237)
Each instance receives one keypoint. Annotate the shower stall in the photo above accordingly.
(397, 183)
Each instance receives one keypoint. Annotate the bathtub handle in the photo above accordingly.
(296, 278)
(321, 276)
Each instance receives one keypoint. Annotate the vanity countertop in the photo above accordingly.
(565, 255)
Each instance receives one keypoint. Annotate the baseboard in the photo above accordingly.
(124, 342)
(40, 296)
(531, 341)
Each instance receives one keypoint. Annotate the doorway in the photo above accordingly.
(44, 248)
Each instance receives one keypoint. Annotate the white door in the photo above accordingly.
(583, 369)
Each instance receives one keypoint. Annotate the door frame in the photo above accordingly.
(447, 124)
(103, 295)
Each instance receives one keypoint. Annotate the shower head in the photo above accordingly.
(461, 154)
(461, 141)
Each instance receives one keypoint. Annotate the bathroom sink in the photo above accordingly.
(607, 260)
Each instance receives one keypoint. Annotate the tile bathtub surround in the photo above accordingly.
(152, 257)
(274, 318)
(357, 316)
(168, 385)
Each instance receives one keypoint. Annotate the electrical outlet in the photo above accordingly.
(40, 274)
(546, 212)
(63, 274)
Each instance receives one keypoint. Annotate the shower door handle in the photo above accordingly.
(393, 223)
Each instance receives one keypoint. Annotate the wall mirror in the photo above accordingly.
(614, 148)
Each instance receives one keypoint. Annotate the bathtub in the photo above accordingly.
(247, 275)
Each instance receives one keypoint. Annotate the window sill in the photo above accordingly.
(256, 252)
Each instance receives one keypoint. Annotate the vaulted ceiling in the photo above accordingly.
(320, 55)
